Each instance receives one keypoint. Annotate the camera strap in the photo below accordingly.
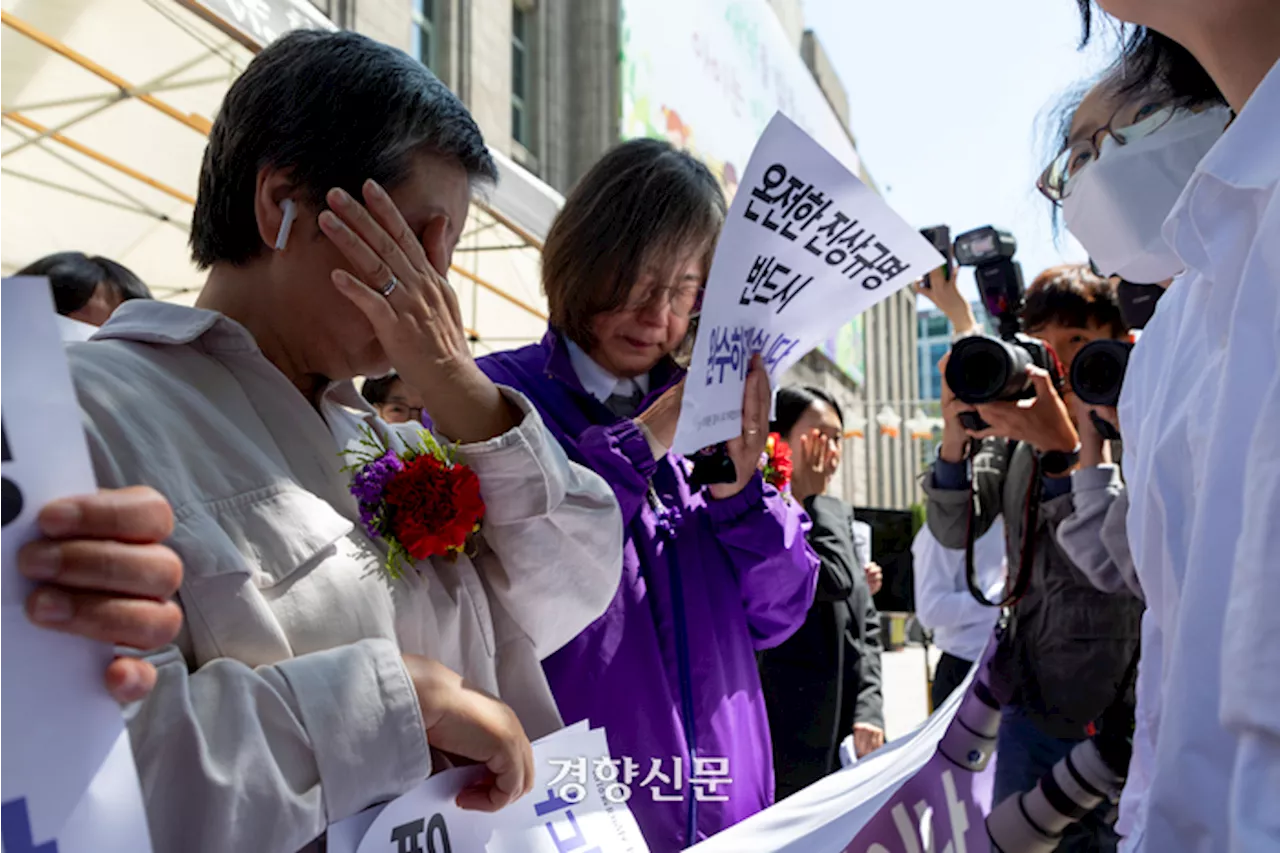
(1016, 587)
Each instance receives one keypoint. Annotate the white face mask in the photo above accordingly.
(1117, 205)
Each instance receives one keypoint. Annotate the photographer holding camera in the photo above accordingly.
(1069, 645)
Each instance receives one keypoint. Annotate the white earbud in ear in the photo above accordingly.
(286, 223)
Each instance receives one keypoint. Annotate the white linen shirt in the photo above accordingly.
(1196, 417)
(73, 331)
(961, 625)
(285, 705)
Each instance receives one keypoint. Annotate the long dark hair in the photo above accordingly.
(793, 401)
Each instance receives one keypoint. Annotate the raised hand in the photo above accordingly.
(745, 449)
(945, 293)
(398, 282)
(815, 464)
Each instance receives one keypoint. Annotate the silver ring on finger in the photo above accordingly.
(387, 289)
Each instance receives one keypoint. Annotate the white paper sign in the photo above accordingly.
(806, 247)
(427, 819)
(68, 773)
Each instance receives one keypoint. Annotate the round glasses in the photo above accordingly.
(684, 298)
(399, 413)
(1131, 122)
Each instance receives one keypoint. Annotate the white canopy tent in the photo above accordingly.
(106, 105)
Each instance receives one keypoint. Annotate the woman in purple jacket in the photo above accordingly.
(711, 575)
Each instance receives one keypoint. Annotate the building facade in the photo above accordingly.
(554, 85)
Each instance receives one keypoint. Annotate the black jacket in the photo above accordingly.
(826, 676)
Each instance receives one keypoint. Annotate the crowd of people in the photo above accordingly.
(277, 680)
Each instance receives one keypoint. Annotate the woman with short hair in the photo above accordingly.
(313, 677)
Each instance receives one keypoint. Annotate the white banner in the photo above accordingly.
(806, 247)
(68, 774)
(906, 796)
(569, 809)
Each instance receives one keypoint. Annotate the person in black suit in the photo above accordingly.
(823, 683)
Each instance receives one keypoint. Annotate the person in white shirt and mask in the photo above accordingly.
(86, 290)
(1199, 412)
(1128, 149)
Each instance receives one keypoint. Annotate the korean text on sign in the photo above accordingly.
(805, 248)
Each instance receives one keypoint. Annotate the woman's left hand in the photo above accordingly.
(745, 450)
(867, 738)
(401, 288)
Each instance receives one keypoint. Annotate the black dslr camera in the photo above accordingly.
(984, 369)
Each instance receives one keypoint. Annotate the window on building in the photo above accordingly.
(520, 100)
(334, 10)
(938, 325)
(425, 39)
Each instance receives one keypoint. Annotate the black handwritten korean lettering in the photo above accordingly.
(11, 496)
(408, 837)
(884, 266)
(805, 211)
(774, 177)
(824, 237)
(770, 281)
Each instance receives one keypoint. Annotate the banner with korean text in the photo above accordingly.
(906, 797)
(806, 247)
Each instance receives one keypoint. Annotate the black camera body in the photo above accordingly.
(1097, 372)
(983, 369)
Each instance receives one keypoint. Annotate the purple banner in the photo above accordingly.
(941, 808)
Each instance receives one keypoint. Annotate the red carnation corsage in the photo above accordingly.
(421, 501)
(775, 464)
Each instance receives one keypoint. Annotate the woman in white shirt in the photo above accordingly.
(1200, 432)
(306, 684)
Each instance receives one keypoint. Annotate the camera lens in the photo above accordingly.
(983, 369)
(1097, 372)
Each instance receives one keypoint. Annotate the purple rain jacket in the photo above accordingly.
(670, 669)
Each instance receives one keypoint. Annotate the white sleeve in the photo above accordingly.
(942, 595)
(554, 526)
(233, 758)
(1250, 689)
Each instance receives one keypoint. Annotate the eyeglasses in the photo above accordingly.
(1131, 122)
(684, 299)
(399, 413)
